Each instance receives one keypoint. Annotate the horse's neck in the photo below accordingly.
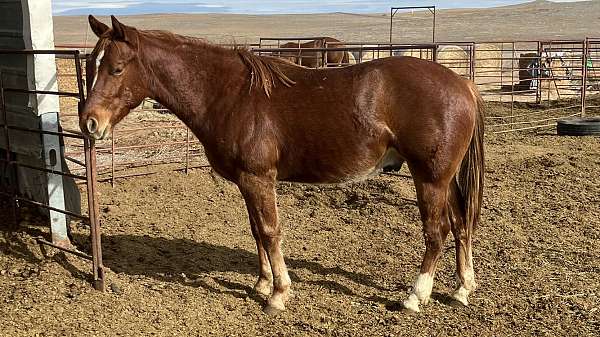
(191, 79)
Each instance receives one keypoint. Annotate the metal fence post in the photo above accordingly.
(187, 149)
(98, 268)
(112, 158)
(12, 189)
(584, 74)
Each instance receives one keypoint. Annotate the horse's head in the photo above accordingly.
(115, 78)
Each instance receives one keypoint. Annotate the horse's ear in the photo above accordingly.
(97, 27)
(121, 32)
(118, 29)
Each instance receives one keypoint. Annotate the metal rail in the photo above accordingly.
(90, 164)
(394, 11)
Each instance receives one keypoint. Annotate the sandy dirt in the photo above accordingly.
(181, 260)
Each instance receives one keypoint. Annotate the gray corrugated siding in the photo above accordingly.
(26, 145)
(14, 75)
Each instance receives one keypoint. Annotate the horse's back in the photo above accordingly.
(398, 91)
(403, 103)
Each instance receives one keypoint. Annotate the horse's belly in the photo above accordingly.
(390, 161)
(347, 172)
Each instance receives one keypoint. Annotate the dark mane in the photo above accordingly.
(264, 70)
(180, 39)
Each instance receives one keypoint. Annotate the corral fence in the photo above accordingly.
(528, 86)
(80, 157)
(592, 73)
(292, 48)
(155, 139)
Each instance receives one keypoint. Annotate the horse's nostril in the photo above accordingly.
(92, 125)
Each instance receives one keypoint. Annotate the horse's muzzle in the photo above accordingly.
(92, 125)
(95, 129)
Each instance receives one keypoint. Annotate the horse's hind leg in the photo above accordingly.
(259, 194)
(463, 238)
(431, 197)
(265, 280)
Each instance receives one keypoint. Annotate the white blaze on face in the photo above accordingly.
(98, 61)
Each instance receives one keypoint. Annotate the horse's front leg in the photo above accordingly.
(265, 279)
(259, 194)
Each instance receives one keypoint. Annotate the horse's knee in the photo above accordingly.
(270, 234)
(435, 235)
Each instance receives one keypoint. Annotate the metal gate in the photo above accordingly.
(86, 164)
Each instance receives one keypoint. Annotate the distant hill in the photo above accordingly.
(536, 20)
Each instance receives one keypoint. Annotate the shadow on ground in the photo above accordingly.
(166, 260)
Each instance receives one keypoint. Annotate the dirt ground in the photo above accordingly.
(181, 260)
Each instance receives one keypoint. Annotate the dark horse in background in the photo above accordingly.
(314, 59)
(262, 119)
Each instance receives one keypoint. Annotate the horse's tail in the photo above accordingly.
(471, 174)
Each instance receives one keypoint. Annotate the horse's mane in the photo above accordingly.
(181, 39)
(264, 71)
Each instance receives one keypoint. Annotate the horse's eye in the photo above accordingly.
(117, 71)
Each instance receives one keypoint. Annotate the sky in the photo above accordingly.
(131, 7)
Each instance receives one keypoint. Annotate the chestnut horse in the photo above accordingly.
(262, 119)
(314, 59)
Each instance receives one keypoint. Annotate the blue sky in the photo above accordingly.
(129, 7)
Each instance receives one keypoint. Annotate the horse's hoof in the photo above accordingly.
(411, 304)
(460, 297)
(272, 310)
